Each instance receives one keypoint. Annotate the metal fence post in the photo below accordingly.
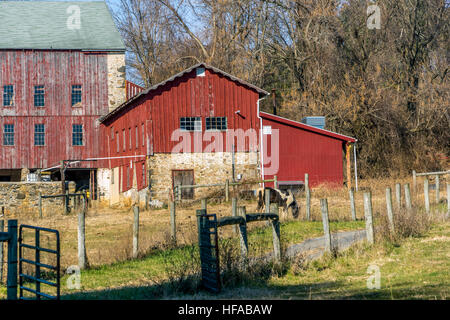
(326, 224)
(204, 203)
(308, 198)
(390, 212)
(11, 282)
(352, 204)
(414, 181)
(368, 216)
(276, 238)
(136, 232)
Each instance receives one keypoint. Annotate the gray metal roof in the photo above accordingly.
(204, 65)
(50, 25)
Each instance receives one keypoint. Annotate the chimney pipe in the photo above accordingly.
(274, 102)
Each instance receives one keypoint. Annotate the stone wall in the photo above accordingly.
(209, 168)
(116, 80)
(22, 198)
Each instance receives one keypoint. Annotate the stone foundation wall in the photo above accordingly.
(22, 198)
(209, 168)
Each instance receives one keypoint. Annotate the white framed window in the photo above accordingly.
(191, 123)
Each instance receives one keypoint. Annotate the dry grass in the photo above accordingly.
(108, 231)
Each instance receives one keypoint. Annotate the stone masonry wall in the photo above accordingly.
(22, 198)
(116, 80)
(208, 168)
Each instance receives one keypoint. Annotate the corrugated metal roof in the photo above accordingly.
(300, 125)
(54, 25)
(146, 91)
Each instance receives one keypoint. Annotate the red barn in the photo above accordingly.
(62, 66)
(183, 130)
(303, 149)
(187, 129)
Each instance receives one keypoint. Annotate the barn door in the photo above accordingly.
(184, 177)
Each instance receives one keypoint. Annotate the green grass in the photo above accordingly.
(136, 278)
(417, 268)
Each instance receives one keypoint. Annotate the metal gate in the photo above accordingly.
(41, 275)
(209, 250)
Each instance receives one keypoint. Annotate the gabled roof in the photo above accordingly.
(182, 73)
(50, 25)
(300, 125)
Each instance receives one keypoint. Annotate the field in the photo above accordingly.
(113, 274)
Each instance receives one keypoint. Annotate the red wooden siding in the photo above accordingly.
(57, 71)
(307, 150)
(132, 89)
(188, 96)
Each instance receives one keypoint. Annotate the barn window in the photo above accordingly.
(117, 141)
(131, 140)
(8, 95)
(191, 123)
(137, 137)
(77, 134)
(39, 135)
(39, 99)
(8, 134)
(143, 174)
(128, 177)
(124, 140)
(76, 95)
(216, 123)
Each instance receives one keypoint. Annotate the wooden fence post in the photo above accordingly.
(243, 237)
(227, 190)
(267, 203)
(308, 198)
(408, 197)
(426, 195)
(136, 232)
(82, 259)
(398, 195)
(276, 238)
(2, 226)
(448, 199)
(234, 212)
(173, 224)
(40, 205)
(414, 181)
(11, 281)
(352, 204)
(204, 204)
(369, 217)
(390, 212)
(326, 224)
(437, 189)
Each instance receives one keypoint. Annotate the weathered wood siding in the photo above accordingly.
(57, 71)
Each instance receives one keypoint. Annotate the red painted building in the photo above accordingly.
(304, 149)
(144, 134)
(200, 96)
(56, 79)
